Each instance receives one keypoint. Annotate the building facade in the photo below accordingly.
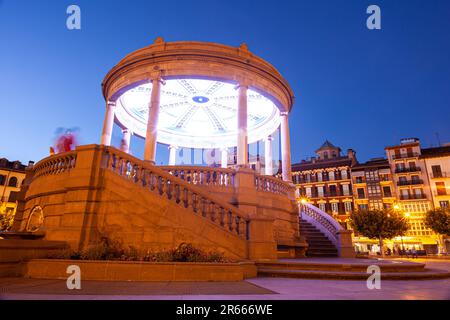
(373, 185)
(411, 179)
(437, 165)
(12, 174)
(325, 180)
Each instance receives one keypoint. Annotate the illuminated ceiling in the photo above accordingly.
(197, 113)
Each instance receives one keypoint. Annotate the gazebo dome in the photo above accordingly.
(198, 102)
(196, 95)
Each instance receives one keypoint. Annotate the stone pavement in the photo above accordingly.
(254, 289)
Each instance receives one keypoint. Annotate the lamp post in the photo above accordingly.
(397, 208)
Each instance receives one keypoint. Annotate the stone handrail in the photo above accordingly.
(203, 176)
(156, 180)
(271, 184)
(322, 221)
(56, 164)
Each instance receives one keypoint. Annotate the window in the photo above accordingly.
(344, 174)
(404, 194)
(359, 180)
(440, 187)
(345, 190)
(418, 193)
(409, 152)
(331, 175)
(2, 180)
(12, 182)
(363, 207)
(333, 191)
(443, 204)
(322, 206)
(387, 192)
(335, 207)
(361, 193)
(320, 191)
(348, 206)
(437, 172)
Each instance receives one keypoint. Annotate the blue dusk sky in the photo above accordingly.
(359, 88)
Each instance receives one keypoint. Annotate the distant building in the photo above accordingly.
(437, 165)
(411, 179)
(12, 174)
(325, 180)
(414, 194)
(373, 185)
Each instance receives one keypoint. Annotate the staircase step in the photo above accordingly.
(351, 275)
(318, 244)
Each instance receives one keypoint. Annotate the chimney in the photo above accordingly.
(351, 154)
(313, 159)
(30, 164)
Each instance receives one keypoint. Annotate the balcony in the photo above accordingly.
(410, 182)
(330, 195)
(405, 155)
(440, 175)
(441, 193)
(413, 197)
(408, 170)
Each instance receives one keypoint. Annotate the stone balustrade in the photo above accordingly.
(184, 193)
(271, 184)
(56, 164)
(203, 176)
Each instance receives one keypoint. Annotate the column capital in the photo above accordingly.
(173, 147)
(284, 113)
(111, 103)
(158, 76)
(127, 130)
(269, 138)
(242, 84)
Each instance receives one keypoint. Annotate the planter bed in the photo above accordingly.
(140, 271)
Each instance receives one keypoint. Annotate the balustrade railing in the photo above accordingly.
(271, 184)
(322, 221)
(180, 191)
(203, 176)
(57, 164)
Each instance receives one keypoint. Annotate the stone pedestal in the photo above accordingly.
(345, 244)
(261, 244)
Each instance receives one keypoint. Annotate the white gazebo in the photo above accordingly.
(202, 96)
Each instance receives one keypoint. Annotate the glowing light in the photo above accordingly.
(303, 201)
(197, 113)
(396, 207)
(407, 214)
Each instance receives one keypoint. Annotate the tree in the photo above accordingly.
(438, 220)
(6, 220)
(379, 224)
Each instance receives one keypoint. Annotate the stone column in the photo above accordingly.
(285, 148)
(172, 155)
(125, 144)
(152, 124)
(224, 155)
(108, 123)
(242, 145)
(268, 155)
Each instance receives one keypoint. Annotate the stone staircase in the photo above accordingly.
(348, 269)
(318, 244)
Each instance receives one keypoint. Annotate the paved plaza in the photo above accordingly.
(253, 289)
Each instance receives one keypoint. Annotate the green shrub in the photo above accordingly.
(113, 250)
